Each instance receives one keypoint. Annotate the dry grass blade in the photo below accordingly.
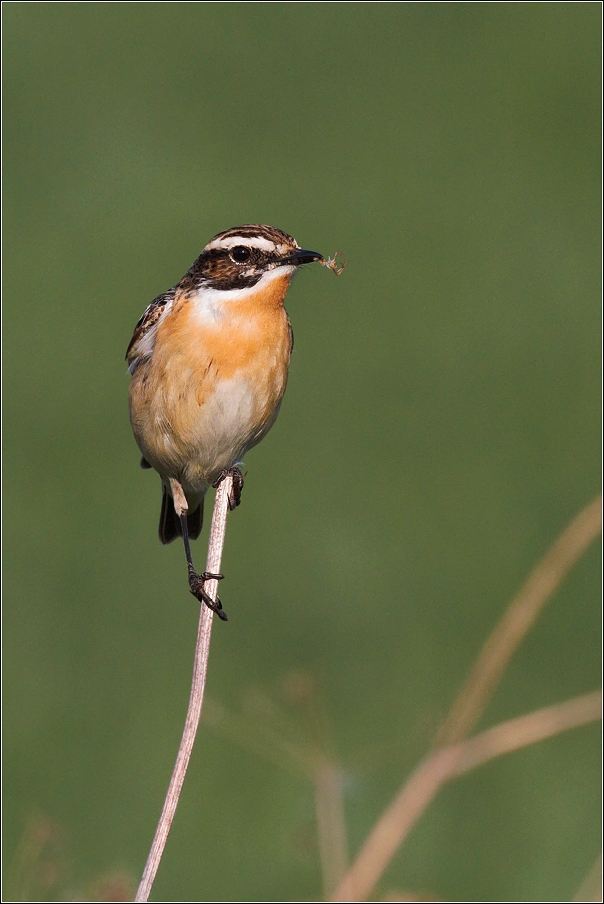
(200, 668)
(416, 794)
(591, 887)
(331, 824)
(268, 731)
(516, 622)
(452, 756)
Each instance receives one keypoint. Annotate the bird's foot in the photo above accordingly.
(196, 586)
(235, 494)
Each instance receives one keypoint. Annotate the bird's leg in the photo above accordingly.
(235, 494)
(196, 581)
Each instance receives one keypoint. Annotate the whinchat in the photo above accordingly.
(209, 361)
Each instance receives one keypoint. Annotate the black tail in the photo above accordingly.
(169, 522)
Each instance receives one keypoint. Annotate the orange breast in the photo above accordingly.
(213, 385)
(249, 336)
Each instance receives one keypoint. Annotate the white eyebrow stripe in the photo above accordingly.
(245, 240)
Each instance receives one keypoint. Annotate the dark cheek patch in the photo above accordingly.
(234, 281)
(216, 270)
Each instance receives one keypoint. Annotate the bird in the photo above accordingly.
(209, 361)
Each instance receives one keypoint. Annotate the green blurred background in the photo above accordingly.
(440, 428)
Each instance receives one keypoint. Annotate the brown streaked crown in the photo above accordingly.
(255, 231)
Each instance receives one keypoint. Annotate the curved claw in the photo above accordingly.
(235, 494)
(216, 607)
(196, 582)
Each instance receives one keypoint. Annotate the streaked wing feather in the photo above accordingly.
(143, 338)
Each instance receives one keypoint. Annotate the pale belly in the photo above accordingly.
(193, 435)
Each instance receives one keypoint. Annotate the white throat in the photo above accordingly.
(209, 304)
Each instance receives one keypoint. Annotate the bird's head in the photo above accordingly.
(240, 257)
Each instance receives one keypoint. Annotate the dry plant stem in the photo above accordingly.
(331, 824)
(516, 622)
(200, 668)
(448, 759)
(591, 887)
(416, 794)
(323, 772)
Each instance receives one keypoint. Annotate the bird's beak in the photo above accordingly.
(301, 257)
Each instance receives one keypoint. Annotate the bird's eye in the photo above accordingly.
(240, 254)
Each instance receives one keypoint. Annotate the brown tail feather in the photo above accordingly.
(169, 522)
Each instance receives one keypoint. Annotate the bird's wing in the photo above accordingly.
(145, 331)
